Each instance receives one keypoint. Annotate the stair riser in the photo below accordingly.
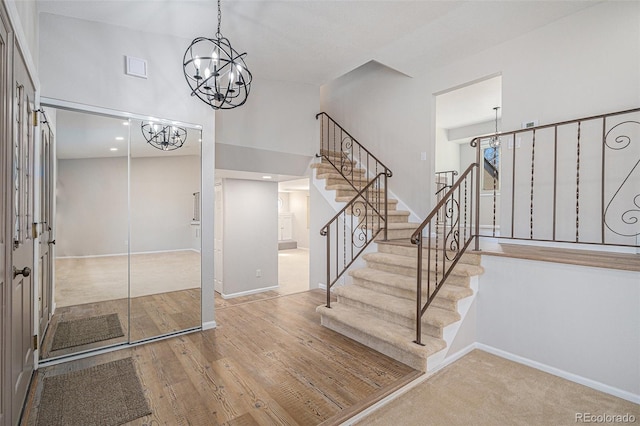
(462, 281)
(352, 193)
(467, 258)
(439, 301)
(428, 329)
(383, 347)
(396, 234)
(337, 180)
(373, 221)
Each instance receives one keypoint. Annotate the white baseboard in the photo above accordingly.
(126, 253)
(248, 292)
(322, 286)
(561, 373)
(209, 325)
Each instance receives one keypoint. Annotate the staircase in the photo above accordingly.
(378, 309)
(399, 225)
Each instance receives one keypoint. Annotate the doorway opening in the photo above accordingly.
(293, 236)
(462, 114)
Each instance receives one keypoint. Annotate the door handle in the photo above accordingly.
(25, 272)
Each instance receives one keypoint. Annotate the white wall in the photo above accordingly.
(584, 321)
(278, 116)
(162, 202)
(250, 236)
(298, 208)
(83, 62)
(27, 11)
(321, 212)
(387, 113)
(92, 207)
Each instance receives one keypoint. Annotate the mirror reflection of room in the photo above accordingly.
(91, 306)
(127, 251)
(165, 229)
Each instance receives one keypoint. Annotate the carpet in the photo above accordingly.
(86, 330)
(107, 394)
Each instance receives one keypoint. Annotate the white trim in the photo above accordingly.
(74, 106)
(248, 292)
(322, 286)
(208, 325)
(561, 373)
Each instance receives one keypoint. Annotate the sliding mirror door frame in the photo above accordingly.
(125, 116)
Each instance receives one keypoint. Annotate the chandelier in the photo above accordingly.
(215, 72)
(164, 137)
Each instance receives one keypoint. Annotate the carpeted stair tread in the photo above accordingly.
(394, 334)
(387, 306)
(404, 247)
(461, 269)
(408, 284)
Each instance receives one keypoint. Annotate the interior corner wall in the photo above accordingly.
(298, 207)
(386, 112)
(447, 153)
(583, 64)
(250, 236)
(580, 320)
(278, 116)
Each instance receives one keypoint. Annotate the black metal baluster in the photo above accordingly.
(578, 186)
(533, 154)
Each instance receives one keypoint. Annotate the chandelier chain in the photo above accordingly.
(219, 19)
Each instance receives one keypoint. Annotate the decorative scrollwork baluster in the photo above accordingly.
(622, 215)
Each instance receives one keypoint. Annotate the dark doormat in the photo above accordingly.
(86, 330)
(108, 395)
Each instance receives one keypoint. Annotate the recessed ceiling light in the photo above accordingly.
(119, 138)
(125, 123)
(113, 149)
(267, 177)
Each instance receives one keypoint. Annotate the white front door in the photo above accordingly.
(22, 185)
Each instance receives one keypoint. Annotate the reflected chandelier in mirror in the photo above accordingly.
(164, 137)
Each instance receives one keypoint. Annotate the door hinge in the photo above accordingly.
(35, 342)
(35, 118)
(34, 230)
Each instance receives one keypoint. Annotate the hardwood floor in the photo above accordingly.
(151, 316)
(268, 362)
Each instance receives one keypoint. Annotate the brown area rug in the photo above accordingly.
(86, 330)
(108, 395)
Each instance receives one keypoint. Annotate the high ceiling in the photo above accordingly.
(316, 41)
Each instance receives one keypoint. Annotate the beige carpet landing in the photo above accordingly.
(483, 389)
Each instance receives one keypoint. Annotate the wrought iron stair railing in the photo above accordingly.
(575, 181)
(353, 228)
(353, 161)
(443, 237)
(592, 195)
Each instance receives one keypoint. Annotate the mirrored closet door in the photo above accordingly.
(165, 228)
(127, 231)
